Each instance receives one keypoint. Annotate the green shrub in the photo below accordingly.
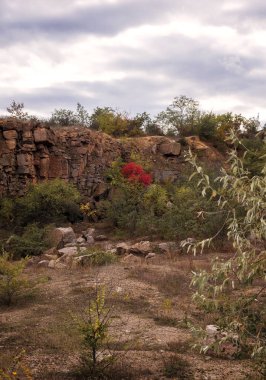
(255, 149)
(48, 202)
(178, 368)
(33, 241)
(100, 257)
(233, 291)
(165, 211)
(13, 283)
(94, 326)
(6, 211)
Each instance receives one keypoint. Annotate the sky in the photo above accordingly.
(133, 55)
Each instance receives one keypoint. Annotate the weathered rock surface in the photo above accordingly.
(141, 248)
(60, 237)
(170, 148)
(32, 152)
(122, 248)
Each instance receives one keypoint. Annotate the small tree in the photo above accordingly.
(181, 116)
(12, 281)
(16, 110)
(234, 289)
(94, 326)
(66, 117)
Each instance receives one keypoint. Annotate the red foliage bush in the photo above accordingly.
(135, 173)
(145, 178)
(131, 169)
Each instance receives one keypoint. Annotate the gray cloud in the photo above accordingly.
(154, 71)
(106, 19)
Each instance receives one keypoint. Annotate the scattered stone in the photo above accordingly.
(62, 236)
(60, 265)
(43, 263)
(122, 248)
(80, 240)
(51, 264)
(89, 239)
(51, 257)
(51, 252)
(89, 232)
(131, 259)
(212, 330)
(150, 255)
(101, 238)
(141, 248)
(81, 260)
(68, 251)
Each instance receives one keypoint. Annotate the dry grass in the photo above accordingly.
(148, 313)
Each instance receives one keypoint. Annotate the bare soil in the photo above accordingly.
(151, 304)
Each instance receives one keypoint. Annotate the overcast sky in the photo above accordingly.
(134, 55)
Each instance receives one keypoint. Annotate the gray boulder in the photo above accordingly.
(62, 236)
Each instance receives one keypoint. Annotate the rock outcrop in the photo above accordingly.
(31, 152)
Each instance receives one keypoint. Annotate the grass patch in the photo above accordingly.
(170, 284)
(164, 320)
(177, 368)
(98, 257)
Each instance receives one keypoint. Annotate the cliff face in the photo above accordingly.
(32, 152)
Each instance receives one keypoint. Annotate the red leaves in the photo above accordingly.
(135, 173)
(146, 179)
(132, 169)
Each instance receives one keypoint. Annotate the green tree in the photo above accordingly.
(48, 202)
(66, 117)
(109, 121)
(181, 116)
(233, 292)
(94, 325)
(16, 110)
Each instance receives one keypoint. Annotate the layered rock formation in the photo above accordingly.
(32, 152)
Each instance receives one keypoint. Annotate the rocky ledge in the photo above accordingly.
(31, 152)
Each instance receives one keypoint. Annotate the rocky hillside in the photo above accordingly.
(32, 152)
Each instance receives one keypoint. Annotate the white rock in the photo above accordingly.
(43, 263)
(51, 264)
(80, 240)
(89, 239)
(212, 330)
(150, 255)
(71, 251)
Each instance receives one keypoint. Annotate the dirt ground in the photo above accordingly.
(151, 303)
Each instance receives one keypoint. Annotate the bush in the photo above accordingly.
(254, 149)
(66, 117)
(178, 368)
(233, 292)
(6, 211)
(17, 369)
(165, 211)
(99, 257)
(135, 173)
(13, 283)
(48, 202)
(33, 241)
(94, 326)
